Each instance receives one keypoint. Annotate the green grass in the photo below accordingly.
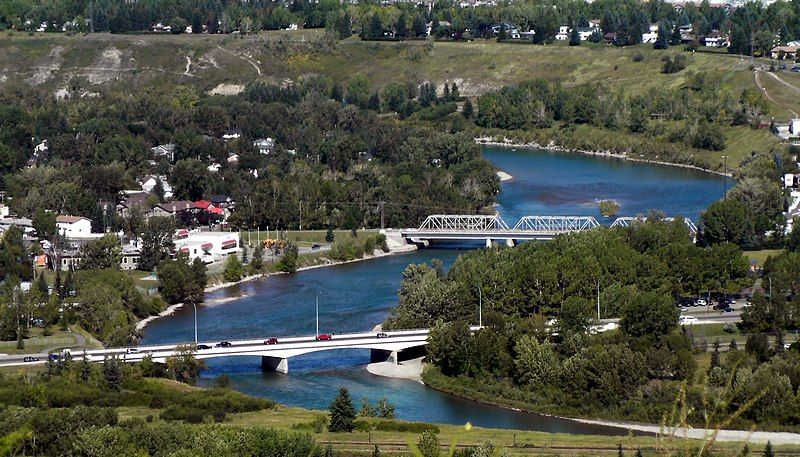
(761, 256)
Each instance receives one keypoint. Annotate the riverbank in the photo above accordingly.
(509, 143)
(377, 254)
(408, 369)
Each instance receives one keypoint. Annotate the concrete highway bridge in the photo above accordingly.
(450, 227)
(383, 346)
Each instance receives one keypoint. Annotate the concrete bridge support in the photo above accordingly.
(380, 355)
(278, 364)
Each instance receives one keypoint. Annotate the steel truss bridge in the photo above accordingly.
(490, 229)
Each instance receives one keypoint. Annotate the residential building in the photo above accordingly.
(715, 40)
(149, 182)
(511, 30)
(264, 145)
(74, 226)
(130, 257)
(4, 211)
(232, 134)
(172, 208)
(651, 36)
(206, 246)
(165, 150)
(222, 201)
(136, 200)
(563, 33)
(784, 52)
(24, 223)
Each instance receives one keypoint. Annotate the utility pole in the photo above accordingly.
(317, 307)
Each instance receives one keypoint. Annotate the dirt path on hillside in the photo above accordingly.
(763, 89)
(249, 60)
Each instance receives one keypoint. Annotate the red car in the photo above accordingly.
(323, 337)
(271, 341)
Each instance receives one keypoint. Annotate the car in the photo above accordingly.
(700, 302)
(796, 69)
(54, 357)
(30, 359)
(131, 351)
(315, 247)
(200, 347)
(323, 337)
(271, 341)
(684, 309)
(223, 344)
(382, 335)
(726, 310)
(688, 320)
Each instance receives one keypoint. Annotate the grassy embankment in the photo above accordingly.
(129, 63)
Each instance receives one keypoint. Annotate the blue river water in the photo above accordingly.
(357, 296)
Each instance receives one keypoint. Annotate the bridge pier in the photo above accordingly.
(278, 364)
(381, 355)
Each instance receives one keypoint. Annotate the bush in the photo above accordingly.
(638, 57)
(396, 426)
(673, 65)
(219, 415)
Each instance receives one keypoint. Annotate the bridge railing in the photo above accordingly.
(463, 223)
(556, 224)
(626, 221)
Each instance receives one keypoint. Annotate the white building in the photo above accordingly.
(165, 150)
(264, 145)
(651, 36)
(206, 246)
(148, 183)
(74, 226)
(563, 33)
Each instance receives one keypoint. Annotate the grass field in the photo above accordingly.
(761, 256)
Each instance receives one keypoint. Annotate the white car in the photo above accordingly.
(701, 302)
(688, 320)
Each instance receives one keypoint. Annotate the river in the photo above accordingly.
(357, 296)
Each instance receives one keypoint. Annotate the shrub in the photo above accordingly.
(638, 57)
(219, 415)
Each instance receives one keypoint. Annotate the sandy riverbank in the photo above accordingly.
(702, 433)
(215, 287)
(408, 369)
(505, 142)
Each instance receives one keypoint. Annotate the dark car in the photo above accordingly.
(200, 347)
(314, 247)
(54, 357)
(271, 341)
(323, 337)
(30, 359)
(727, 310)
(382, 335)
(223, 344)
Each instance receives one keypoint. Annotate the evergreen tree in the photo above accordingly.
(375, 30)
(343, 413)
(768, 451)
(662, 42)
(401, 28)
(158, 190)
(574, 38)
(374, 102)
(675, 36)
(714, 356)
(733, 346)
(288, 261)
(112, 373)
(418, 27)
(446, 94)
(233, 269)
(41, 286)
(454, 93)
(257, 263)
(329, 234)
(384, 409)
(69, 284)
(245, 254)
(344, 25)
(57, 282)
(467, 111)
(337, 93)
(502, 34)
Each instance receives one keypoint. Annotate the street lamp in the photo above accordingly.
(317, 307)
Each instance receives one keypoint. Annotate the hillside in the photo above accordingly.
(97, 63)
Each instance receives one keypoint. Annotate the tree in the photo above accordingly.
(401, 28)
(418, 27)
(502, 34)
(178, 25)
(329, 234)
(189, 179)
(757, 344)
(44, 222)
(675, 35)
(537, 363)
(257, 263)
(288, 262)
(343, 413)
(183, 366)
(574, 37)
(575, 315)
(384, 409)
(468, 110)
(768, 451)
(100, 254)
(428, 444)
(793, 239)
(158, 190)
(233, 269)
(375, 30)
(649, 315)
(728, 221)
(662, 41)
(112, 373)
(180, 281)
(157, 242)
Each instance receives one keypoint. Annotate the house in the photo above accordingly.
(233, 158)
(563, 33)
(233, 134)
(715, 40)
(40, 148)
(24, 223)
(584, 33)
(794, 127)
(214, 167)
(173, 208)
(651, 35)
(784, 52)
(511, 31)
(222, 201)
(206, 246)
(165, 150)
(4, 211)
(528, 35)
(65, 259)
(594, 24)
(264, 145)
(136, 201)
(610, 37)
(149, 182)
(161, 28)
(130, 257)
(74, 226)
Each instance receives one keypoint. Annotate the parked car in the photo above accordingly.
(727, 310)
(131, 351)
(200, 347)
(271, 341)
(323, 337)
(382, 335)
(700, 302)
(796, 69)
(314, 247)
(688, 320)
(684, 309)
(30, 359)
(54, 357)
(223, 344)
